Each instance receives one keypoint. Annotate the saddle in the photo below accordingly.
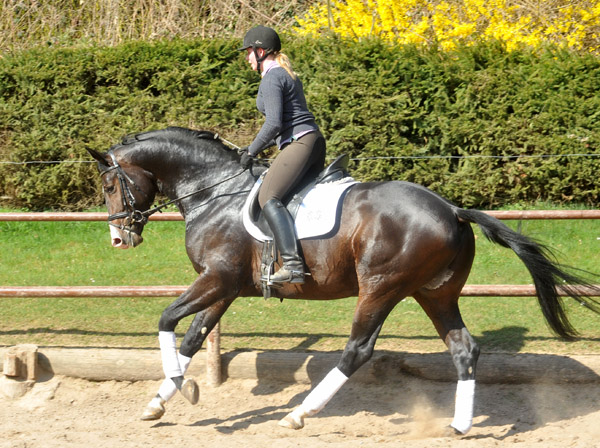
(336, 171)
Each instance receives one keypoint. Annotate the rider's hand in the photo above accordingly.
(246, 160)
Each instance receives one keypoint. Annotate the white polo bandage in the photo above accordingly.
(168, 389)
(463, 406)
(157, 402)
(168, 353)
(324, 392)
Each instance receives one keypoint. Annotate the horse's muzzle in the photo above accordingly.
(124, 238)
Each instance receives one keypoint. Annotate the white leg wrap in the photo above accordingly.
(463, 410)
(324, 392)
(168, 389)
(168, 353)
(157, 402)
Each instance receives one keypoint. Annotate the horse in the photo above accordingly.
(394, 239)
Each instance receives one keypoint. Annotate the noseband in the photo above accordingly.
(131, 213)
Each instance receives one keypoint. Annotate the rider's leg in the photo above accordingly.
(297, 160)
(282, 226)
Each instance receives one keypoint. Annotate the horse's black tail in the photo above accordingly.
(547, 274)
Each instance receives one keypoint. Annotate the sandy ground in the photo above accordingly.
(66, 412)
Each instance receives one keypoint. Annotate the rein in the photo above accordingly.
(141, 217)
(158, 208)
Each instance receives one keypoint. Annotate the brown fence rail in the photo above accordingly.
(79, 216)
(176, 290)
(175, 216)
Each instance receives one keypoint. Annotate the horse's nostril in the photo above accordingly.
(116, 239)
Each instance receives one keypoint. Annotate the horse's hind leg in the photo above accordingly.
(465, 353)
(366, 326)
(448, 322)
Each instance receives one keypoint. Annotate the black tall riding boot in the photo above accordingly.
(282, 225)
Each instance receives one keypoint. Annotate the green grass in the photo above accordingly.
(79, 253)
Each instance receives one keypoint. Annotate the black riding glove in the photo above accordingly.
(246, 160)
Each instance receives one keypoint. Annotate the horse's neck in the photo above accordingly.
(205, 184)
(227, 192)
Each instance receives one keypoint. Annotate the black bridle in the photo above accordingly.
(131, 214)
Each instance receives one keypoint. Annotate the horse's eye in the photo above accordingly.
(109, 189)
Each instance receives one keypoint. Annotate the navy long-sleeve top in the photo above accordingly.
(281, 100)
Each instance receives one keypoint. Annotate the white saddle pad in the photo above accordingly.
(316, 214)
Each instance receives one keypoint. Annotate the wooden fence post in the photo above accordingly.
(213, 356)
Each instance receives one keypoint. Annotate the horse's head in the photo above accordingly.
(128, 193)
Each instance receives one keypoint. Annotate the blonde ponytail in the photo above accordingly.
(284, 62)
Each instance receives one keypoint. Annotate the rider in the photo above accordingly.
(292, 127)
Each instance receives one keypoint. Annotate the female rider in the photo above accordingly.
(292, 127)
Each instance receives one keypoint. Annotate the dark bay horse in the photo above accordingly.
(395, 239)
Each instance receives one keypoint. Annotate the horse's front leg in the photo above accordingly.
(176, 363)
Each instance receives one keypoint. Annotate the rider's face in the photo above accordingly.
(251, 57)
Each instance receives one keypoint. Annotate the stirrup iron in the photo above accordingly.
(292, 276)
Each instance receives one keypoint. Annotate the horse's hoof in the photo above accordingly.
(190, 391)
(292, 421)
(153, 412)
(452, 431)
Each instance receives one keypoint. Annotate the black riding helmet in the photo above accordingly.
(262, 37)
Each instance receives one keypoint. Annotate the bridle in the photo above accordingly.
(133, 216)
(131, 213)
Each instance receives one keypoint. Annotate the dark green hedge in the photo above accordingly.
(372, 100)
(479, 101)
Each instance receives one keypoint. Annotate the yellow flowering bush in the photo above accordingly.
(448, 23)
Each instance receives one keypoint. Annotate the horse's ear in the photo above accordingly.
(101, 158)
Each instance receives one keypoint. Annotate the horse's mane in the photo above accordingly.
(147, 135)
(171, 132)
